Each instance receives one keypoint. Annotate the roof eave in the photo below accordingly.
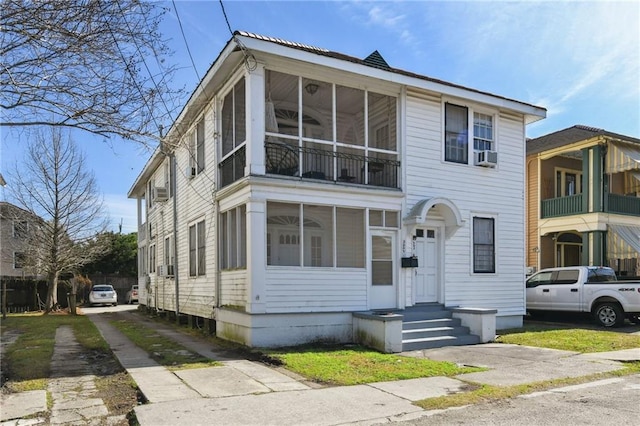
(531, 112)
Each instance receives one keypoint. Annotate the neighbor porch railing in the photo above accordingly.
(567, 206)
(622, 204)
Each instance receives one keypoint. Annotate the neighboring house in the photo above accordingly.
(310, 185)
(15, 225)
(583, 200)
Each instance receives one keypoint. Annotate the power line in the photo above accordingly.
(185, 39)
(226, 19)
(135, 42)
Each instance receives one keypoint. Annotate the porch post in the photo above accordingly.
(256, 256)
(255, 100)
(586, 181)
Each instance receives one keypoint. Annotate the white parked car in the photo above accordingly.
(103, 294)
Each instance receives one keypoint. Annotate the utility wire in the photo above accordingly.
(249, 59)
(144, 61)
(175, 8)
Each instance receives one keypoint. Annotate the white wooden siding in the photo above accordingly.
(475, 191)
(233, 288)
(321, 290)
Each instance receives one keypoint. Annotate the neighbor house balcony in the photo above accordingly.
(320, 164)
(573, 205)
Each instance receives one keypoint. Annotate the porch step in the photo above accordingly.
(430, 325)
(439, 342)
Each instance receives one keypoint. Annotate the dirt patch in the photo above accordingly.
(114, 386)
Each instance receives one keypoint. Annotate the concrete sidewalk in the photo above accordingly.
(243, 392)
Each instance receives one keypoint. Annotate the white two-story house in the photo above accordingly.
(299, 186)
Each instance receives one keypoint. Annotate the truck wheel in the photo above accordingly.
(609, 314)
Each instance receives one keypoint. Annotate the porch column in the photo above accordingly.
(586, 249)
(256, 256)
(255, 100)
(586, 183)
(599, 257)
(596, 181)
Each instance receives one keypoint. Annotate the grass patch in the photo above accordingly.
(163, 350)
(27, 361)
(546, 336)
(357, 365)
(570, 339)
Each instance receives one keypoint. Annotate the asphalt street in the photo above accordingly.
(614, 401)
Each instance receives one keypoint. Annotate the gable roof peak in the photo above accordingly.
(375, 59)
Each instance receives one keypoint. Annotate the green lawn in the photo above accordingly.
(570, 339)
(27, 361)
(356, 365)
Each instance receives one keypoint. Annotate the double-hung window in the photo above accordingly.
(196, 148)
(484, 249)
(168, 251)
(20, 229)
(197, 252)
(152, 258)
(18, 260)
(458, 133)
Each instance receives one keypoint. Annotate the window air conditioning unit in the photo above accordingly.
(160, 194)
(486, 158)
(190, 172)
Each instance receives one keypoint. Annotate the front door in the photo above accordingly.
(426, 274)
(383, 287)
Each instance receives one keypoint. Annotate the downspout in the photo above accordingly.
(172, 170)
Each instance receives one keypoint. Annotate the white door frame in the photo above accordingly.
(439, 228)
(383, 297)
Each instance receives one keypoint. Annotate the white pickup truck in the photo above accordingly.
(584, 289)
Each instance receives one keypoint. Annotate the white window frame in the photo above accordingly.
(152, 258)
(25, 228)
(472, 110)
(564, 171)
(200, 226)
(196, 142)
(15, 256)
(472, 265)
(169, 258)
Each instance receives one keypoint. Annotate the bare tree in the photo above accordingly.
(54, 184)
(96, 65)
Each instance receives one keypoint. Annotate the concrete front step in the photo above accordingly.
(420, 333)
(430, 325)
(439, 342)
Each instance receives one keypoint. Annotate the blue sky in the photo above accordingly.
(580, 60)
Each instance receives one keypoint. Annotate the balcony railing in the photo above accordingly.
(320, 164)
(562, 206)
(232, 168)
(622, 204)
(567, 206)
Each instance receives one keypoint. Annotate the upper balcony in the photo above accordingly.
(573, 205)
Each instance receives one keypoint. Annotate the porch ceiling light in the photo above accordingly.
(311, 88)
